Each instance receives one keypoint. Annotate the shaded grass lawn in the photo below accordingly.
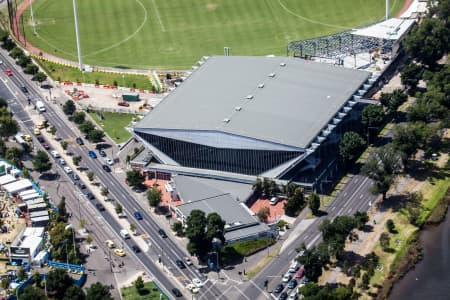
(150, 292)
(65, 73)
(114, 125)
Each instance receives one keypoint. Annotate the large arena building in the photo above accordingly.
(237, 118)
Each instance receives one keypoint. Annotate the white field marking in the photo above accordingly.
(310, 20)
(128, 37)
(158, 16)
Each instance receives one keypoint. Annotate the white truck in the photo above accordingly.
(40, 106)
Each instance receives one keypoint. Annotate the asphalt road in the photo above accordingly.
(122, 193)
(354, 197)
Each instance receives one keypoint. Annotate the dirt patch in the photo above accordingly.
(212, 6)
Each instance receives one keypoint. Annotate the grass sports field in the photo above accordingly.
(174, 34)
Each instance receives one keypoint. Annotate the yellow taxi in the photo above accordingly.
(41, 126)
(109, 244)
(27, 138)
(36, 131)
(119, 252)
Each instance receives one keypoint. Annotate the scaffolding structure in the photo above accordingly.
(338, 46)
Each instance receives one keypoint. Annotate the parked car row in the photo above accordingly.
(293, 279)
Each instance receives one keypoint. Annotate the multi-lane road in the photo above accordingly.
(10, 90)
(354, 197)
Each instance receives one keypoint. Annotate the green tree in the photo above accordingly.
(32, 293)
(139, 284)
(133, 227)
(3, 102)
(263, 214)
(41, 162)
(215, 227)
(86, 127)
(2, 148)
(74, 292)
(385, 240)
(98, 291)
(58, 281)
(62, 242)
(314, 202)
(427, 42)
(295, 203)
(90, 175)
(372, 116)
(258, 187)
(405, 139)
(428, 107)
(23, 61)
(95, 135)
(69, 107)
(104, 191)
(13, 155)
(5, 283)
(195, 231)
(411, 75)
(118, 208)
(21, 274)
(40, 77)
(9, 125)
(135, 178)
(361, 219)
(76, 160)
(177, 226)
(31, 69)
(62, 210)
(382, 166)
(53, 130)
(26, 173)
(393, 100)
(16, 53)
(351, 145)
(154, 197)
(64, 145)
(390, 226)
(290, 189)
(365, 281)
(78, 117)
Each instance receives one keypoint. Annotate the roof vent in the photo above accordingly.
(237, 108)
(226, 120)
(272, 75)
(282, 64)
(249, 97)
(261, 85)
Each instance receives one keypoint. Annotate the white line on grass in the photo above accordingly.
(128, 37)
(158, 16)
(310, 20)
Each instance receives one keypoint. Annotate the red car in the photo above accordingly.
(8, 72)
(123, 104)
(46, 146)
(300, 273)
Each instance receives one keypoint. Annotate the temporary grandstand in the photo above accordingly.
(237, 118)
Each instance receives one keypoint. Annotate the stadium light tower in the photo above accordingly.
(80, 62)
(387, 9)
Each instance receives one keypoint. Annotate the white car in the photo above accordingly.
(55, 154)
(109, 161)
(192, 288)
(293, 296)
(67, 170)
(187, 261)
(62, 162)
(197, 282)
(287, 277)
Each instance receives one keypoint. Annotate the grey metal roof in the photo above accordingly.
(194, 188)
(291, 109)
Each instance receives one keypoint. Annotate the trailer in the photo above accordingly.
(130, 97)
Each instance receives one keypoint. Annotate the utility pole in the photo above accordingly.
(77, 34)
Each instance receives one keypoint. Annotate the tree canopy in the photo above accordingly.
(351, 146)
(314, 202)
(428, 42)
(41, 162)
(69, 107)
(196, 233)
(135, 178)
(98, 291)
(295, 203)
(372, 115)
(382, 166)
(411, 74)
(58, 281)
(154, 197)
(393, 100)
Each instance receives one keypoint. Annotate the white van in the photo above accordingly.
(40, 106)
(273, 201)
(124, 233)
